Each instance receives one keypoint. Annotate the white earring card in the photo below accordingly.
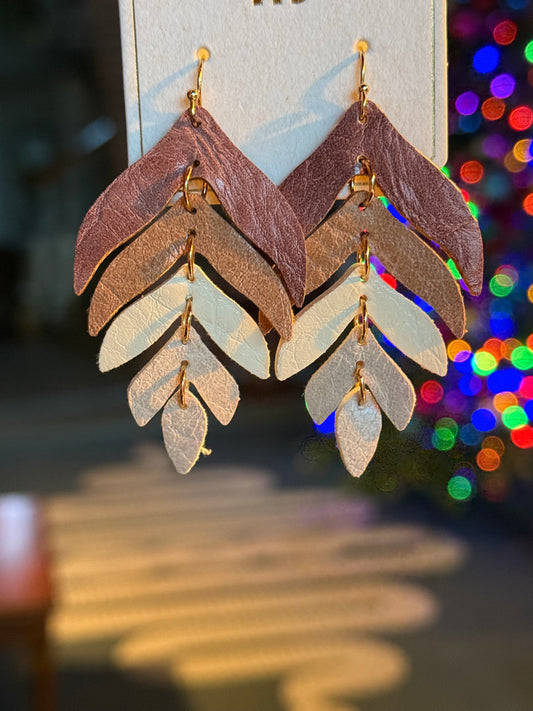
(281, 73)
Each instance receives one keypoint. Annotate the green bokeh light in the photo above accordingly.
(528, 52)
(484, 363)
(459, 488)
(501, 285)
(522, 358)
(453, 269)
(446, 170)
(474, 209)
(447, 423)
(443, 439)
(514, 417)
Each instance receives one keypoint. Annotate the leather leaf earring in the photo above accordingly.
(359, 378)
(154, 286)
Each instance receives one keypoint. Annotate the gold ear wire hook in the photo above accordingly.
(362, 47)
(195, 95)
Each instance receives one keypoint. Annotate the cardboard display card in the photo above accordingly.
(281, 73)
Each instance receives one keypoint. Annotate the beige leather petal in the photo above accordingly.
(402, 252)
(184, 432)
(143, 322)
(319, 324)
(390, 386)
(157, 249)
(154, 384)
(357, 430)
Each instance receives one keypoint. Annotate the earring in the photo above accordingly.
(155, 287)
(360, 378)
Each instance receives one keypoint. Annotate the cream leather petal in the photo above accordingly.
(143, 322)
(154, 384)
(184, 432)
(357, 429)
(319, 324)
(390, 386)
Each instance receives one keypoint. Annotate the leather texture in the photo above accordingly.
(184, 432)
(401, 251)
(251, 200)
(357, 431)
(150, 389)
(415, 186)
(318, 325)
(142, 323)
(141, 263)
(388, 383)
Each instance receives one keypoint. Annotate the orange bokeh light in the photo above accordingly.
(493, 109)
(471, 172)
(488, 460)
(494, 443)
(504, 400)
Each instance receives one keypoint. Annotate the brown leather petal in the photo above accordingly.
(157, 249)
(251, 200)
(414, 185)
(403, 254)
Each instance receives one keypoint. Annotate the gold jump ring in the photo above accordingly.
(183, 385)
(186, 319)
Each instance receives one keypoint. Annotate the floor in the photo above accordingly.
(232, 588)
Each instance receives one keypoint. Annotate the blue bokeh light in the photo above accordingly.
(486, 59)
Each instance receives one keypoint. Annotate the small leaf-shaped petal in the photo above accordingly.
(319, 324)
(157, 249)
(357, 430)
(184, 432)
(143, 322)
(388, 383)
(154, 384)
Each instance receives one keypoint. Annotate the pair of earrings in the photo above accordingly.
(275, 246)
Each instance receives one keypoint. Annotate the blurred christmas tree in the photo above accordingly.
(472, 433)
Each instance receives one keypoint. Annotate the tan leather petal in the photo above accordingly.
(156, 250)
(184, 432)
(402, 252)
(390, 386)
(154, 384)
(143, 322)
(414, 185)
(318, 325)
(250, 199)
(357, 431)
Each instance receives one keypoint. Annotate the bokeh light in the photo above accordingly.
(467, 103)
(471, 172)
(484, 363)
(521, 118)
(460, 488)
(505, 32)
(528, 209)
(528, 51)
(502, 86)
(523, 437)
(501, 285)
(514, 417)
(483, 420)
(431, 392)
(488, 460)
(493, 109)
(495, 443)
(522, 358)
(502, 401)
(458, 349)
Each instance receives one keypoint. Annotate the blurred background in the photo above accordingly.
(265, 579)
